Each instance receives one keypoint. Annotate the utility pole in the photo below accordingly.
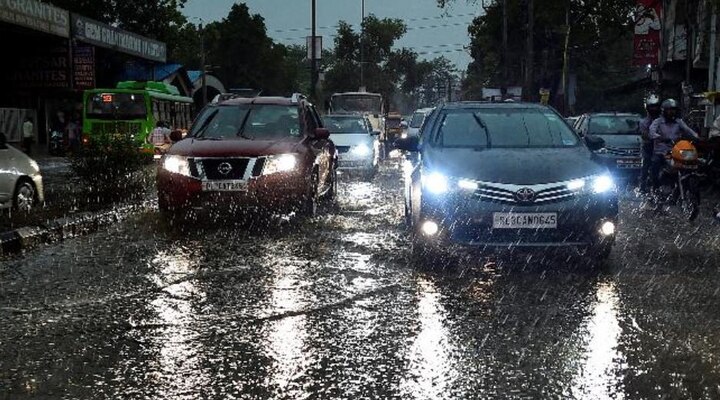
(203, 65)
(362, 47)
(503, 87)
(530, 63)
(566, 61)
(313, 59)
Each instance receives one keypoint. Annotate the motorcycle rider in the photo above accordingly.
(652, 107)
(665, 131)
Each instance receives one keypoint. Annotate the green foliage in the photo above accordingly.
(110, 166)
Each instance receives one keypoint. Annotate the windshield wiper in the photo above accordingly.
(484, 126)
(201, 131)
(241, 131)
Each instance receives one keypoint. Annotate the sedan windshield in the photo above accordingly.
(263, 122)
(417, 120)
(614, 125)
(345, 125)
(506, 128)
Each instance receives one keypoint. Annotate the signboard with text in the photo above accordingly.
(47, 68)
(36, 15)
(103, 35)
(648, 14)
(83, 67)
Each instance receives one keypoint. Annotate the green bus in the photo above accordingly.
(133, 109)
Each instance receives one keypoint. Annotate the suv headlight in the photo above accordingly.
(436, 183)
(177, 165)
(595, 184)
(280, 163)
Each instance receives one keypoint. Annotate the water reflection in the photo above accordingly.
(178, 365)
(599, 377)
(288, 333)
(430, 373)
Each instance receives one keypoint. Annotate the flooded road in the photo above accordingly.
(330, 308)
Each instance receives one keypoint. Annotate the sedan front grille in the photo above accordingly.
(228, 168)
(508, 193)
(343, 149)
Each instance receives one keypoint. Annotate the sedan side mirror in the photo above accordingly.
(411, 143)
(321, 134)
(594, 143)
(375, 133)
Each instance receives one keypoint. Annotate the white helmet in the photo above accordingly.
(652, 100)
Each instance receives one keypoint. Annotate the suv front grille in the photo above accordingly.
(506, 193)
(228, 168)
(623, 151)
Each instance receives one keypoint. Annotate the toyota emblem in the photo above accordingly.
(225, 168)
(525, 195)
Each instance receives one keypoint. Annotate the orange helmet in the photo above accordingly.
(684, 151)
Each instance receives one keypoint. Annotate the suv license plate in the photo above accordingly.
(630, 164)
(232, 186)
(525, 221)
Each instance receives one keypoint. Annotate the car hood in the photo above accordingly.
(514, 166)
(234, 147)
(621, 141)
(351, 139)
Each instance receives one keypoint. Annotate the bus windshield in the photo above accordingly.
(370, 103)
(116, 106)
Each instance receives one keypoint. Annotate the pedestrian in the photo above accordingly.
(73, 133)
(28, 131)
(665, 132)
(652, 108)
(160, 136)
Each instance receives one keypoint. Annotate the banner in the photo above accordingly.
(36, 15)
(648, 26)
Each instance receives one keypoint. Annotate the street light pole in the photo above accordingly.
(203, 65)
(362, 47)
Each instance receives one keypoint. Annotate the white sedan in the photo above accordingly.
(21, 185)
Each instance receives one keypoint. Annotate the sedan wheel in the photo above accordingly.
(24, 199)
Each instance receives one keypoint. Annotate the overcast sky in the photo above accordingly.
(431, 31)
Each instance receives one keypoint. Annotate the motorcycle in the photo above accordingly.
(681, 180)
(56, 145)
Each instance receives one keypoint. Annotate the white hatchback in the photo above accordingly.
(357, 144)
(21, 185)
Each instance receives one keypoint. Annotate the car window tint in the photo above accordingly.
(512, 128)
(613, 125)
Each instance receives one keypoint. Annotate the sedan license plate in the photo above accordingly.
(525, 221)
(629, 164)
(229, 186)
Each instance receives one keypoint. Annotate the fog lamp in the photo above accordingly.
(607, 228)
(430, 228)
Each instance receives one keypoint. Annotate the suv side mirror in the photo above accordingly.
(321, 134)
(594, 143)
(176, 136)
(411, 143)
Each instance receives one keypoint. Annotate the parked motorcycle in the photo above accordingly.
(56, 144)
(681, 180)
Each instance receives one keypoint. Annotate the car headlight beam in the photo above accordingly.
(280, 163)
(177, 165)
(603, 184)
(436, 183)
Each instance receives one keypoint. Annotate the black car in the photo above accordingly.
(621, 153)
(507, 175)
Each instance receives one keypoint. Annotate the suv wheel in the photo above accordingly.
(25, 196)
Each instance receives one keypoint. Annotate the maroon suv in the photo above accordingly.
(269, 153)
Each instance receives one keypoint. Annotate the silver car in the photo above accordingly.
(21, 185)
(357, 144)
(418, 119)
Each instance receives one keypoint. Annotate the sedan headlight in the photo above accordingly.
(177, 165)
(362, 150)
(280, 163)
(435, 183)
(597, 184)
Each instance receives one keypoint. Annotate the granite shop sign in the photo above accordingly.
(36, 15)
(103, 35)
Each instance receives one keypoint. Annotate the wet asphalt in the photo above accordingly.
(331, 308)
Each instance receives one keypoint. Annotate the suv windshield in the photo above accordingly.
(345, 125)
(505, 128)
(614, 125)
(247, 121)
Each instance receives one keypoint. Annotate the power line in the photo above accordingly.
(406, 20)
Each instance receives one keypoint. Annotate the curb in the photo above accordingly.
(15, 241)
